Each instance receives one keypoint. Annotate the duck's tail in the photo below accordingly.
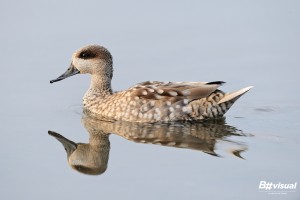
(233, 96)
(228, 100)
(216, 104)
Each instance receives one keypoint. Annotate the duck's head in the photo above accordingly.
(91, 59)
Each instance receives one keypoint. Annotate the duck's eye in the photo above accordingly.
(83, 55)
(86, 55)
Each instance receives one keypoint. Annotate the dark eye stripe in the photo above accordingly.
(87, 55)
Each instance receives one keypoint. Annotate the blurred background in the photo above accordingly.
(241, 42)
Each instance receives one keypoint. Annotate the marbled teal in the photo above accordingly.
(150, 101)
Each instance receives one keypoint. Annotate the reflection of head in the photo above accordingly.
(88, 158)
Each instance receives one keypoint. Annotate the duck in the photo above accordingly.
(149, 101)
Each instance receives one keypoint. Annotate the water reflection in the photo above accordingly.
(92, 158)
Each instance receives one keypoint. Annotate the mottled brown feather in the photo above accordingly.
(176, 90)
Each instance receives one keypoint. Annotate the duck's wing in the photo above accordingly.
(173, 91)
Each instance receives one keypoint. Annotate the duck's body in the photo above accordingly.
(159, 101)
(150, 101)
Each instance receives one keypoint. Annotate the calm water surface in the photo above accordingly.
(255, 43)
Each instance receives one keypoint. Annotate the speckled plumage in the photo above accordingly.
(150, 101)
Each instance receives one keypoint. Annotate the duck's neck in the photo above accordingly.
(101, 84)
(100, 87)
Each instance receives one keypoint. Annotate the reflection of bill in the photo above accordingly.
(92, 158)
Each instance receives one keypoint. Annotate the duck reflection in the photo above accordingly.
(92, 158)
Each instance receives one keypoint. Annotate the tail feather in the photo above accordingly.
(215, 105)
(233, 96)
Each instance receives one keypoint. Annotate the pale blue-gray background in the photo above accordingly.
(241, 42)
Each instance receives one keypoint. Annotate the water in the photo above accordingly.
(243, 43)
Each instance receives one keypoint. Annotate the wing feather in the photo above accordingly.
(173, 91)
